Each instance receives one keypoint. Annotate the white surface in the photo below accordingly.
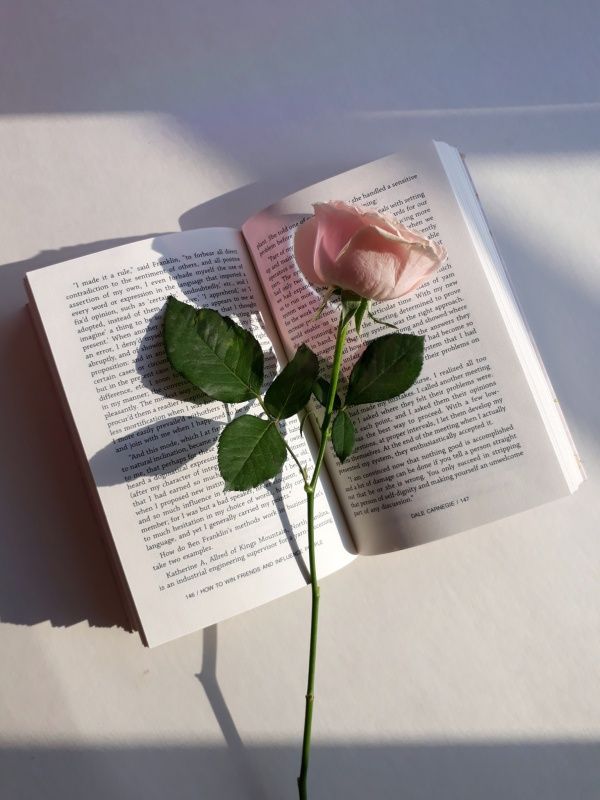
(462, 670)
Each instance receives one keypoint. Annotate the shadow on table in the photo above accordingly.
(490, 770)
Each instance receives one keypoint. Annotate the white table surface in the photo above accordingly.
(461, 670)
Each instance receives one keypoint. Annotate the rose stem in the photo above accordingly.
(309, 488)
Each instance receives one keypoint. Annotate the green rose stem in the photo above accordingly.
(309, 488)
(226, 362)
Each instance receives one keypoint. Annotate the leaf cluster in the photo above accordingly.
(226, 362)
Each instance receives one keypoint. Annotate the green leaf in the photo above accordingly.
(342, 436)
(351, 303)
(321, 389)
(212, 352)
(387, 368)
(251, 451)
(360, 314)
(292, 388)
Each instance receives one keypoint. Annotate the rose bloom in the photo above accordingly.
(367, 253)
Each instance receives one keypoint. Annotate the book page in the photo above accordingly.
(467, 444)
(190, 553)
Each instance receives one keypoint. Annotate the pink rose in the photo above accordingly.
(370, 254)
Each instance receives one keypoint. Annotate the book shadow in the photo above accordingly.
(53, 565)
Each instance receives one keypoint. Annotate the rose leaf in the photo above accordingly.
(342, 436)
(292, 388)
(213, 352)
(388, 367)
(251, 451)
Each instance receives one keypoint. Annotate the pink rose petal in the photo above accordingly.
(337, 224)
(304, 250)
(381, 266)
(368, 253)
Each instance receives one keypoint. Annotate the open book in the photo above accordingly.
(478, 437)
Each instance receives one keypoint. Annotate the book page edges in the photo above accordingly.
(113, 556)
(520, 334)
